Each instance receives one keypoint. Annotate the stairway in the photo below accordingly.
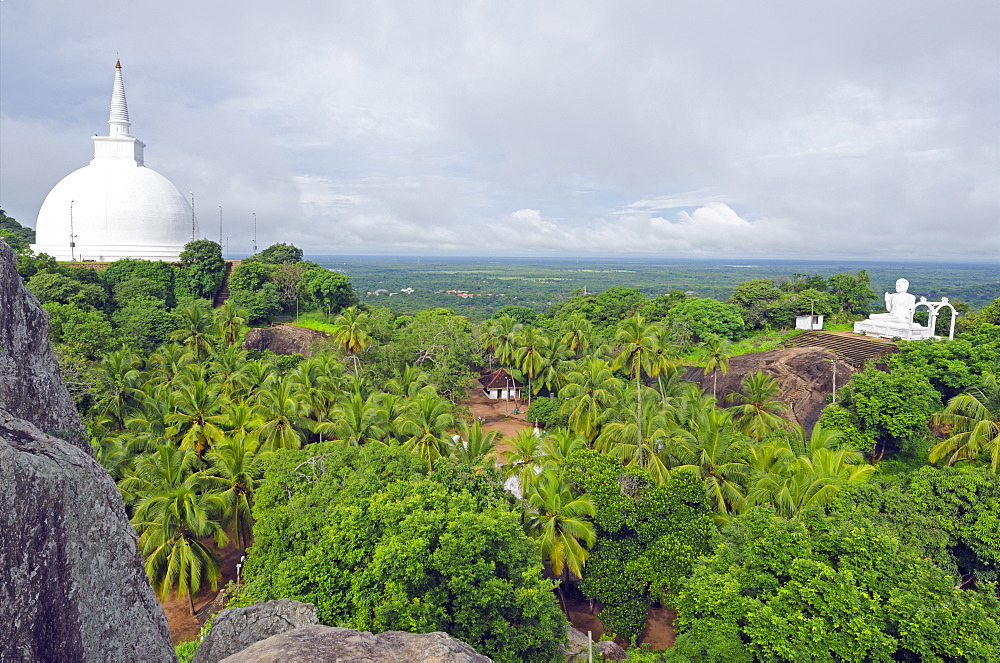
(223, 293)
(855, 351)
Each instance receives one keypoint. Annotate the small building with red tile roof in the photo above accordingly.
(500, 384)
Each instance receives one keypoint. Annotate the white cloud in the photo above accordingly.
(607, 127)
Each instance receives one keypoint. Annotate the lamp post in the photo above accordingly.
(72, 237)
(834, 395)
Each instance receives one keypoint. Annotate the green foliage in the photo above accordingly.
(261, 305)
(87, 332)
(185, 651)
(546, 412)
(852, 294)
(376, 545)
(50, 287)
(202, 269)
(522, 314)
(278, 254)
(144, 325)
(893, 408)
(658, 307)
(827, 589)
(707, 317)
(124, 275)
(648, 536)
(329, 290)
(17, 237)
(953, 366)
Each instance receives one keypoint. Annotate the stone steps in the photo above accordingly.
(855, 351)
(223, 294)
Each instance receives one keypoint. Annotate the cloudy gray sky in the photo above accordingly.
(767, 128)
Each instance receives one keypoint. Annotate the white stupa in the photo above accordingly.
(115, 207)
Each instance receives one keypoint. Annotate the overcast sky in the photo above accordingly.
(784, 129)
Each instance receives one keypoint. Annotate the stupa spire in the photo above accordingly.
(119, 109)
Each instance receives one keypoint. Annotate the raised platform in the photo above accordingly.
(888, 329)
(854, 350)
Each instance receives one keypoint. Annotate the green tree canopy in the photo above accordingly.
(280, 253)
(202, 268)
(377, 545)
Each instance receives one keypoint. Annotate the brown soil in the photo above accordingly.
(584, 615)
(183, 626)
(497, 415)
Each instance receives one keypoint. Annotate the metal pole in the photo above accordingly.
(590, 647)
(72, 237)
(254, 232)
(192, 215)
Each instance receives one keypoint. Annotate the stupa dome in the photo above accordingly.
(114, 207)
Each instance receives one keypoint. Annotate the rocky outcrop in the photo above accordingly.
(235, 629)
(73, 586)
(30, 384)
(283, 340)
(577, 646)
(805, 375)
(325, 643)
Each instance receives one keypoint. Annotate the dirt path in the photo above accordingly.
(497, 415)
(184, 627)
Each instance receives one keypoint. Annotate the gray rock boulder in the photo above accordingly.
(235, 629)
(73, 586)
(30, 385)
(325, 643)
(611, 651)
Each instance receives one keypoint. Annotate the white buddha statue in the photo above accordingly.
(899, 305)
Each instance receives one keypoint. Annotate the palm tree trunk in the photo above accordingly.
(715, 383)
(638, 412)
(562, 599)
(191, 601)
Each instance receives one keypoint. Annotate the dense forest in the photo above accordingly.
(356, 480)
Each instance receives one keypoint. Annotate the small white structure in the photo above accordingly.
(500, 385)
(898, 322)
(811, 322)
(114, 207)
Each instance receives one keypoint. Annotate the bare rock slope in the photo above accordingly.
(73, 586)
(283, 340)
(805, 374)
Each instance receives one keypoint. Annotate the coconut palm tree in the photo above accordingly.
(576, 332)
(166, 467)
(281, 412)
(230, 321)
(530, 354)
(352, 332)
(715, 352)
(589, 396)
(558, 445)
(713, 450)
(474, 445)
(197, 419)
(197, 330)
(170, 523)
(973, 421)
(502, 335)
(558, 520)
(425, 425)
(618, 439)
(122, 382)
(354, 421)
(523, 460)
(235, 471)
(758, 409)
(638, 342)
